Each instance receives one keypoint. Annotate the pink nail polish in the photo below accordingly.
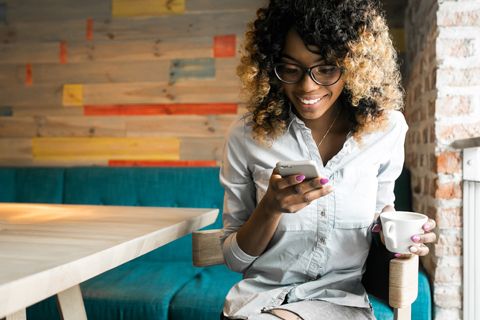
(376, 228)
(324, 181)
(398, 255)
(300, 178)
(426, 227)
(415, 238)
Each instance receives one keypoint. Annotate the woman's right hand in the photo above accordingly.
(293, 193)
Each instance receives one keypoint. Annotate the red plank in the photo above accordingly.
(160, 109)
(89, 29)
(28, 74)
(63, 51)
(153, 163)
(224, 46)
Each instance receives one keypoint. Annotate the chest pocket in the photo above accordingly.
(355, 197)
(301, 220)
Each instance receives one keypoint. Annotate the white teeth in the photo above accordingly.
(310, 101)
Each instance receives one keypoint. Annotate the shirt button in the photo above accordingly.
(322, 240)
(322, 213)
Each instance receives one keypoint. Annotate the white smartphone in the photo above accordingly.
(306, 167)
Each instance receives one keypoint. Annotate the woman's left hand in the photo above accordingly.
(427, 237)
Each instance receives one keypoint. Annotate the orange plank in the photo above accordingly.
(160, 109)
(224, 46)
(28, 74)
(63, 51)
(153, 163)
(89, 35)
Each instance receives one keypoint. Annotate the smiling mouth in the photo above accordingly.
(305, 101)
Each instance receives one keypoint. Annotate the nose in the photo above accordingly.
(307, 84)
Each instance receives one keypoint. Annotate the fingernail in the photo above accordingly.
(300, 178)
(413, 249)
(398, 255)
(332, 188)
(426, 227)
(376, 228)
(324, 181)
(415, 238)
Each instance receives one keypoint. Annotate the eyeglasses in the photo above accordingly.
(324, 75)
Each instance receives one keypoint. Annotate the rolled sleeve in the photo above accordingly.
(391, 170)
(240, 199)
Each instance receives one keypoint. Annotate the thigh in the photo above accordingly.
(323, 310)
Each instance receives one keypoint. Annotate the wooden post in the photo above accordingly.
(19, 315)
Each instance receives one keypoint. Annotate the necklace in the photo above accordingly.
(329, 128)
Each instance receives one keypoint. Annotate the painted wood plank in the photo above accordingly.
(161, 48)
(213, 126)
(106, 148)
(153, 163)
(17, 127)
(126, 8)
(72, 95)
(93, 72)
(200, 6)
(127, 29)
(58, 126)
(89, 30)
(224, 46)
(166, 109)
(192, 69)
(224, 89)
(201, 149)
(63, 51)
(46, 111)
(20, 163)
(31, 10)
(28, 74)
(6, 111)
(15, 148)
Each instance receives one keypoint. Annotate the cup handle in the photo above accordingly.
(389, 233)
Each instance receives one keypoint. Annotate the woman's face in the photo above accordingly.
(310, 99)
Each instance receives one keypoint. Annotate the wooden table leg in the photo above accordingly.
(70, 304)
(19, 315)
(402, 313)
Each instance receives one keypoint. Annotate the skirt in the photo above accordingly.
(317, 310)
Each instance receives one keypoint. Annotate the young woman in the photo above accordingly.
(323, 85)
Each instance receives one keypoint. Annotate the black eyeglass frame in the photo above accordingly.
(309, 70)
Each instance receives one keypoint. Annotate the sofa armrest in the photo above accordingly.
(403, 286)
(206, 249)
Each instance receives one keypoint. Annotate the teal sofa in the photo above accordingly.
(163, 284)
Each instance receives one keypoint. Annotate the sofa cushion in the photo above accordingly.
(31, 185)
(131, 291)
(203, 297)
(163, 187)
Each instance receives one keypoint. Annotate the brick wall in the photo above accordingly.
(442, 105)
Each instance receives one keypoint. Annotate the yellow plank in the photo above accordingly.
(72, 95)
(106, 148)
(398, 39)
(130, 8)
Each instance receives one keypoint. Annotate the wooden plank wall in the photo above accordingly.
(119, 82)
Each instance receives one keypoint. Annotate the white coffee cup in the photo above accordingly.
(399, 227)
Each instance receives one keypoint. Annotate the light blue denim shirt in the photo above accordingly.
(318, 252)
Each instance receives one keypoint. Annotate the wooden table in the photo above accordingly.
(49, 250)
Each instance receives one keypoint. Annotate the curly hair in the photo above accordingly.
(349, 33)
